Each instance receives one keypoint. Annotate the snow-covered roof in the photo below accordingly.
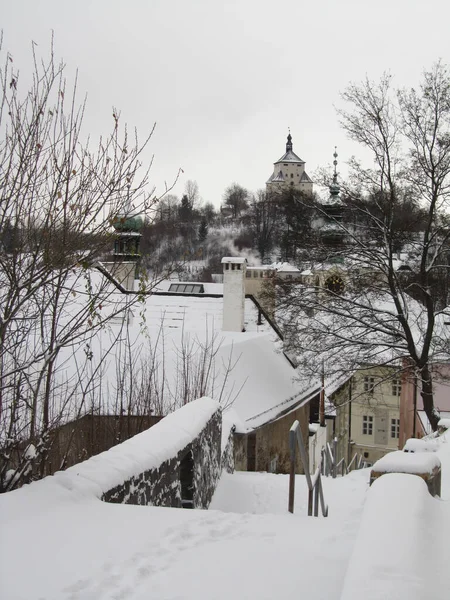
(305, 178)
(164, 339)
(285, 267)
(291, 157)
(237, 260)
(276, 178)
(210, 288)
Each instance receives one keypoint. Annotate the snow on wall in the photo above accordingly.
(141, 454)
(163, 486)
(407, 462)
(396, 528)
(419, 445)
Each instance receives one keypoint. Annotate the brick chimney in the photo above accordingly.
(234, 269)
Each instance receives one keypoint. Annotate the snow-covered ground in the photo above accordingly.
(75, 547)
(246, 546)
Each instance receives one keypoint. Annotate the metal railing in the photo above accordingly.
(333, 468)
(315, 490)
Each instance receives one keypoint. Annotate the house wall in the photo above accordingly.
(240, 452)
(267, 447)
(369, 424)
(161, 486)
(272, 442)
(317, 442)
(411, 400)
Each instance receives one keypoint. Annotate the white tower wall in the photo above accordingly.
(233, 293)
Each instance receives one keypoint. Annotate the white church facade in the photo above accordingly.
(289, 172)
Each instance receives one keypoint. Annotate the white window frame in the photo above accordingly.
(367, 425)
(396, 387)
(369, 383)
(395, 429)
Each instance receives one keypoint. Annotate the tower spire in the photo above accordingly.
(289, 141)
(335, 162)
(335, 187)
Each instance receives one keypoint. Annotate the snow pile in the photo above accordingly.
(393, 543)
(402, 547)
(407, 462)
(418, 445)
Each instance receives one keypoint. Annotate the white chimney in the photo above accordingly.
(123, 272)
(233, 293)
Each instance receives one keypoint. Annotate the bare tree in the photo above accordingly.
(236, 198)
(192, 192)
(264, 220)
(361, 311)
(58, 200)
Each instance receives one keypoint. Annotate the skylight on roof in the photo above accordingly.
(187, 288)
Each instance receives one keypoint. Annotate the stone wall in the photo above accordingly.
(162, 486)
(228, 453)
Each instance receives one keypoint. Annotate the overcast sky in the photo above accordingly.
(223, 80)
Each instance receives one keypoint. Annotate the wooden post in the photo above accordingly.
(322, 399)
(310, 502)
(316, 498)
(292, 474)
(334, 457)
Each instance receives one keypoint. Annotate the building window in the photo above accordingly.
(395, 428)
(292, 175)
(367, 425)
(369, 384)
(233, 266)
(396, 387)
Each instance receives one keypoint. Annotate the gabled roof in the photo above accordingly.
(305, 178)
(278, 178)
(291, 157)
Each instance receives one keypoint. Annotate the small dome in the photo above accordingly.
(124, 223)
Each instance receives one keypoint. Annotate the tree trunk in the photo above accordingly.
(427, 397)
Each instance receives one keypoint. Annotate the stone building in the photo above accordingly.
(289, 173)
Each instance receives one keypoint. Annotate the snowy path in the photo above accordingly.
(105, 551)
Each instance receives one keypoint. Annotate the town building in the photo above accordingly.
(289, 173)
(368, 413)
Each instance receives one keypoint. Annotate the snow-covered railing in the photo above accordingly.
(315, 490)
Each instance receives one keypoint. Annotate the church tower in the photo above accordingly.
(331, 232)
(289, 173)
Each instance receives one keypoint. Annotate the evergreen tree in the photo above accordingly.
(203, 230)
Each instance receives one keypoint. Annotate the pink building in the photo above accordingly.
(411, 403)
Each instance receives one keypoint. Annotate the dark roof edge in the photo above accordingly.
(268, 319)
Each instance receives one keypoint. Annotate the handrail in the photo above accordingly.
(315, 490)
(331, 467)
